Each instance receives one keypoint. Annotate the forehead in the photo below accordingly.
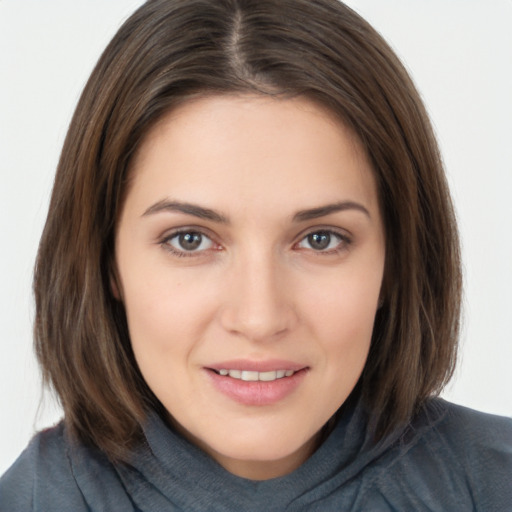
(273, 149)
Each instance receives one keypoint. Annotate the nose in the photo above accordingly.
(259, 304)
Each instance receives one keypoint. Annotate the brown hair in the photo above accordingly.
(169, 51)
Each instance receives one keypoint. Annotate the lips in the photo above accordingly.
(252, 376)
(256, 383)
(257, 366)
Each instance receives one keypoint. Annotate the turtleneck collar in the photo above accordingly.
(169, 469)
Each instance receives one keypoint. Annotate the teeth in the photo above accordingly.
(250, 376)
(267, 376)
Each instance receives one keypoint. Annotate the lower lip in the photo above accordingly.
(256, 392)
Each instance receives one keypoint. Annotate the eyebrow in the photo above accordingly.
(166, 205)
(322, 211)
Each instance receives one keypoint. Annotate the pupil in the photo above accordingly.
(319, 241)
(190, 241)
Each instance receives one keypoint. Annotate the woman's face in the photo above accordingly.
(250, 254)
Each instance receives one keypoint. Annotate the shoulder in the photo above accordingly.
(468, 420)
(60, 474)
(41, 476)
(477, 436)
(448, 457)
(473, 445)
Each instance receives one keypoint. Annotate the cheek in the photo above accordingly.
(344, 307)
(342, 317)
(161, 320)
(342, 323)
(345, 332)
(165, 311)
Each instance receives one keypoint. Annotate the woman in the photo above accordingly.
(248, 286)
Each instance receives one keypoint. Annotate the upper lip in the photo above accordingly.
(257, 366)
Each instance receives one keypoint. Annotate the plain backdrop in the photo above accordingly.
(459, 53)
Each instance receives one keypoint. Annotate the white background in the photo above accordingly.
(460, 55)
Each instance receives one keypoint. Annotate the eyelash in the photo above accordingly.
(165, 242)
(342, 245)
(344, 242)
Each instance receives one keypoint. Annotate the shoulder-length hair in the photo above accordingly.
(169, 51)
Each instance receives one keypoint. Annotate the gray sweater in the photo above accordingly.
(448, 458)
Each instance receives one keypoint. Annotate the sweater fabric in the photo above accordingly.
(448, 458)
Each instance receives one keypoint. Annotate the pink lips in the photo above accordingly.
(256, 392)
(257, 366)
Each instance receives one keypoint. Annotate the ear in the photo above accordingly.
(115, 287)
(385, 287)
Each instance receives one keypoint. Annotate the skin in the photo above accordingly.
(257, 287)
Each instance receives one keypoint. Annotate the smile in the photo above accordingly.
(257, 384)
(252, 376)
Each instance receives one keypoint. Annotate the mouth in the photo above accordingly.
(254, 376)
(257, 383)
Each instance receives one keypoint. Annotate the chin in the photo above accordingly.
(262, 446)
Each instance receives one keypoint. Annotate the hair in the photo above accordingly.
(170, 51)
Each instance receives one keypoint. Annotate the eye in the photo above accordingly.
(323, 241)
(188, 242)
